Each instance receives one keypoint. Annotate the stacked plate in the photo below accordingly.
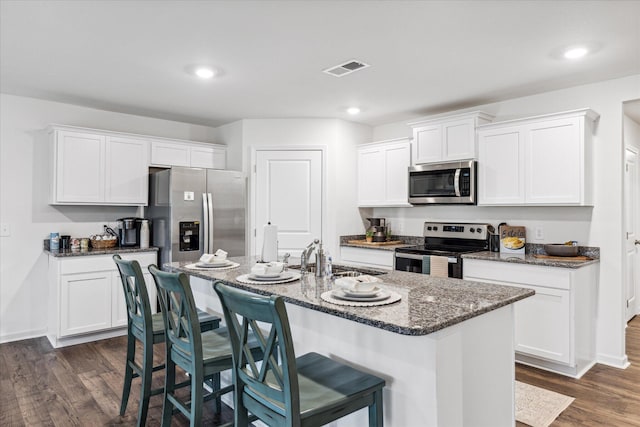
(369, 295)
(270, 277)
(214, 264)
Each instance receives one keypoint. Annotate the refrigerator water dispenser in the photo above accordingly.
(189, 236)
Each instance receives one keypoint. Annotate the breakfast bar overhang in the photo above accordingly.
(446, 349)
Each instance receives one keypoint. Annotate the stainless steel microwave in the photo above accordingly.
(443, 183)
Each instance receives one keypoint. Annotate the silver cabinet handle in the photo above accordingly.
(456, 182)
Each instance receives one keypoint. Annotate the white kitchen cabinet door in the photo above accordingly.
(501, 167)
(543, 325)
(553, 162)
(383, 173)
(427, 144)
(208, 157)
(127, 173)
(371, 176)
(459, 139)
(396, 173)
(169, 154)
(85, 302)
(79, 167)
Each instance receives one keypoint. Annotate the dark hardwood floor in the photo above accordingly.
(81, 386)
(605, 396)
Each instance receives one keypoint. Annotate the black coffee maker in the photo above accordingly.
(378, 229)
(127, 231)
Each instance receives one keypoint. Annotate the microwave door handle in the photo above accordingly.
(456, 182)
(205, 215)
(210, 228)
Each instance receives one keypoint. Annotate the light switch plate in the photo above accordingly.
(5, 230)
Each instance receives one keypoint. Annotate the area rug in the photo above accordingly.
(538, 407)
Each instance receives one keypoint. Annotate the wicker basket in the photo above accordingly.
(103, 244)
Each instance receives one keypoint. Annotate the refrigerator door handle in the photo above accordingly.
(205, 209)
(210, 227)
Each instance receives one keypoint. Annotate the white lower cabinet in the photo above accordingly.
(86, 299)
(367, 257)
(555, 328)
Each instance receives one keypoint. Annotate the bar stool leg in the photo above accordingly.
(128, 373)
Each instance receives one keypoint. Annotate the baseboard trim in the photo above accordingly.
(614, 361)
(24, 335)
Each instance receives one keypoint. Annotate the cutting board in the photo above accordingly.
(364, 242)
(564, 258)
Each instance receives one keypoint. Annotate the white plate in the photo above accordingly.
(280, 276)
(266, 275)
(381, 296)
(213, 264)
(362, 294)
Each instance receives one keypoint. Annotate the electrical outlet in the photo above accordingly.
(539, 233)
(5, 230)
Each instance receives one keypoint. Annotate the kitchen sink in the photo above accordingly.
(344, 270)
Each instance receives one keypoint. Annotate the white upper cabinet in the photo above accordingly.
(195, 155)
(100, 167)
(543, 160)
(383, 175)
(97, 168)
(445, 138)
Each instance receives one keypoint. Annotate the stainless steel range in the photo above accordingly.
(446, 239)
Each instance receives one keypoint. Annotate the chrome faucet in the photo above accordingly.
(306, 255)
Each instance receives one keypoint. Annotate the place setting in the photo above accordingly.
(269, 273)
(361, 291)
(213, 262)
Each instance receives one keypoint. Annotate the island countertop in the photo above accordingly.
(428, 303)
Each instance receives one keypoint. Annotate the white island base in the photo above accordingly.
(462, 375)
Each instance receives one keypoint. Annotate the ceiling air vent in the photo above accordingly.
(346, 68)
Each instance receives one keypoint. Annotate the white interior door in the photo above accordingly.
(631, 203)
(288, 193)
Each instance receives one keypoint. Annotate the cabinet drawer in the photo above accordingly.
(91, 263)
(371, 257)
(516, 274)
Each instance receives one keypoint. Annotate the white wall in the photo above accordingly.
(598, 226)
(231, 135)
(340, 139)
(23, 200)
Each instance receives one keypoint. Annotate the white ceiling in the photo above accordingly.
(425, 56)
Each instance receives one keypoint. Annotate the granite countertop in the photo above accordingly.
(93, 251)
(528, 258)
(428, 304)
(407, 241)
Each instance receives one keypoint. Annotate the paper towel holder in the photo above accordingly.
(263, 245)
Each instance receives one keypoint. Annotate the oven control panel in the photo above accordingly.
(456, 230)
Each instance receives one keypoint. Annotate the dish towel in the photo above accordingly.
(426, 264)
(439, 266)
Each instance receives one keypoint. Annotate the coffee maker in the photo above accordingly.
(128, 232)
(378, 228)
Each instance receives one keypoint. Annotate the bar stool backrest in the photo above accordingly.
(136, 296)
(273, 386)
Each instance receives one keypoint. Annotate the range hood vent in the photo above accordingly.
(346, 68)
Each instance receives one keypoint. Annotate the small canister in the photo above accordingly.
(84, 244)
(75, 244)
(54, 241)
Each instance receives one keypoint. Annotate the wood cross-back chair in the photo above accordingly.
(310, 390)
(203, 355)
(147, 327)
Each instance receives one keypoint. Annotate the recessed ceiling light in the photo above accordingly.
(353, 110)
(204, 72)
(575, 52)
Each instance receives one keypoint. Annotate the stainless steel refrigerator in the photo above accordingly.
(196, 211)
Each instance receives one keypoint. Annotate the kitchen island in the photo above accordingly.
(445, 349)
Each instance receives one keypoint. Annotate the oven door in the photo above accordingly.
(413, 264)
(443, 183)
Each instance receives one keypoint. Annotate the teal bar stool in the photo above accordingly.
(311, 390)
(147, 328)
(203, 355)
